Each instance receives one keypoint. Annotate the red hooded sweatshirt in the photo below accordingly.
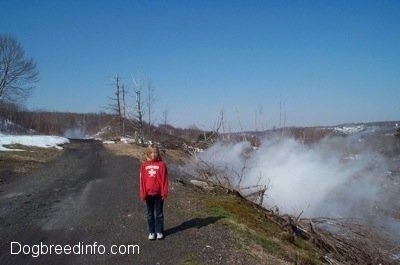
(153, 179)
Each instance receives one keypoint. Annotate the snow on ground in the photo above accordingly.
(43, 141)
(350, 129)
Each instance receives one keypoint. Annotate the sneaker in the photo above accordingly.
(160, 236)
(152, 236)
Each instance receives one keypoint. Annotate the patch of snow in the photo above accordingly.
(127, 140)
(350, 129)
(102, 132)
(108, 142)
(43, 141)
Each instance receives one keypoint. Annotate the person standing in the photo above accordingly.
(154, 190)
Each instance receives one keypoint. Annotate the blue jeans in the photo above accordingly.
(155, 222)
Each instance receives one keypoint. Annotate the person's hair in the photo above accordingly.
(151, 148)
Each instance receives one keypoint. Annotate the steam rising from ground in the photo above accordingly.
(337, 177)
(75, 133)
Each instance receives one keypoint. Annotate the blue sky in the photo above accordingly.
(313, 62)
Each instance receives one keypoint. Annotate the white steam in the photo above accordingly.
(332, 178)
(75, 133)
(338, 177)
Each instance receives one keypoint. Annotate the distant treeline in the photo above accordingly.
(103, 124)
(58, 123)
(52, 123)
(107, 126)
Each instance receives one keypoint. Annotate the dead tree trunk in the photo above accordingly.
(119, 112)
(123, 114)
(139, 113)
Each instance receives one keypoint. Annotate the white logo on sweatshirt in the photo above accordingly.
(152, 170)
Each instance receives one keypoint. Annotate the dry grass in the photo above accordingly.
(169, 155)
(24, 161)
(16, 163)
(259, 234)
(122, 149)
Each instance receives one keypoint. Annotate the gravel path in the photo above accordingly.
(86, 202)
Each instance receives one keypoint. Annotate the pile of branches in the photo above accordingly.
(340, 241)
(222, 177)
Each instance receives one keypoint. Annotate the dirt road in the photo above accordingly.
(83, 208)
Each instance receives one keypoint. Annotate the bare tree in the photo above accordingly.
(139, 109)
(118, 105)
(118, 102)
(150, 103)
(164, 117)
(123, 109)
(259, 120)
(17, 73)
